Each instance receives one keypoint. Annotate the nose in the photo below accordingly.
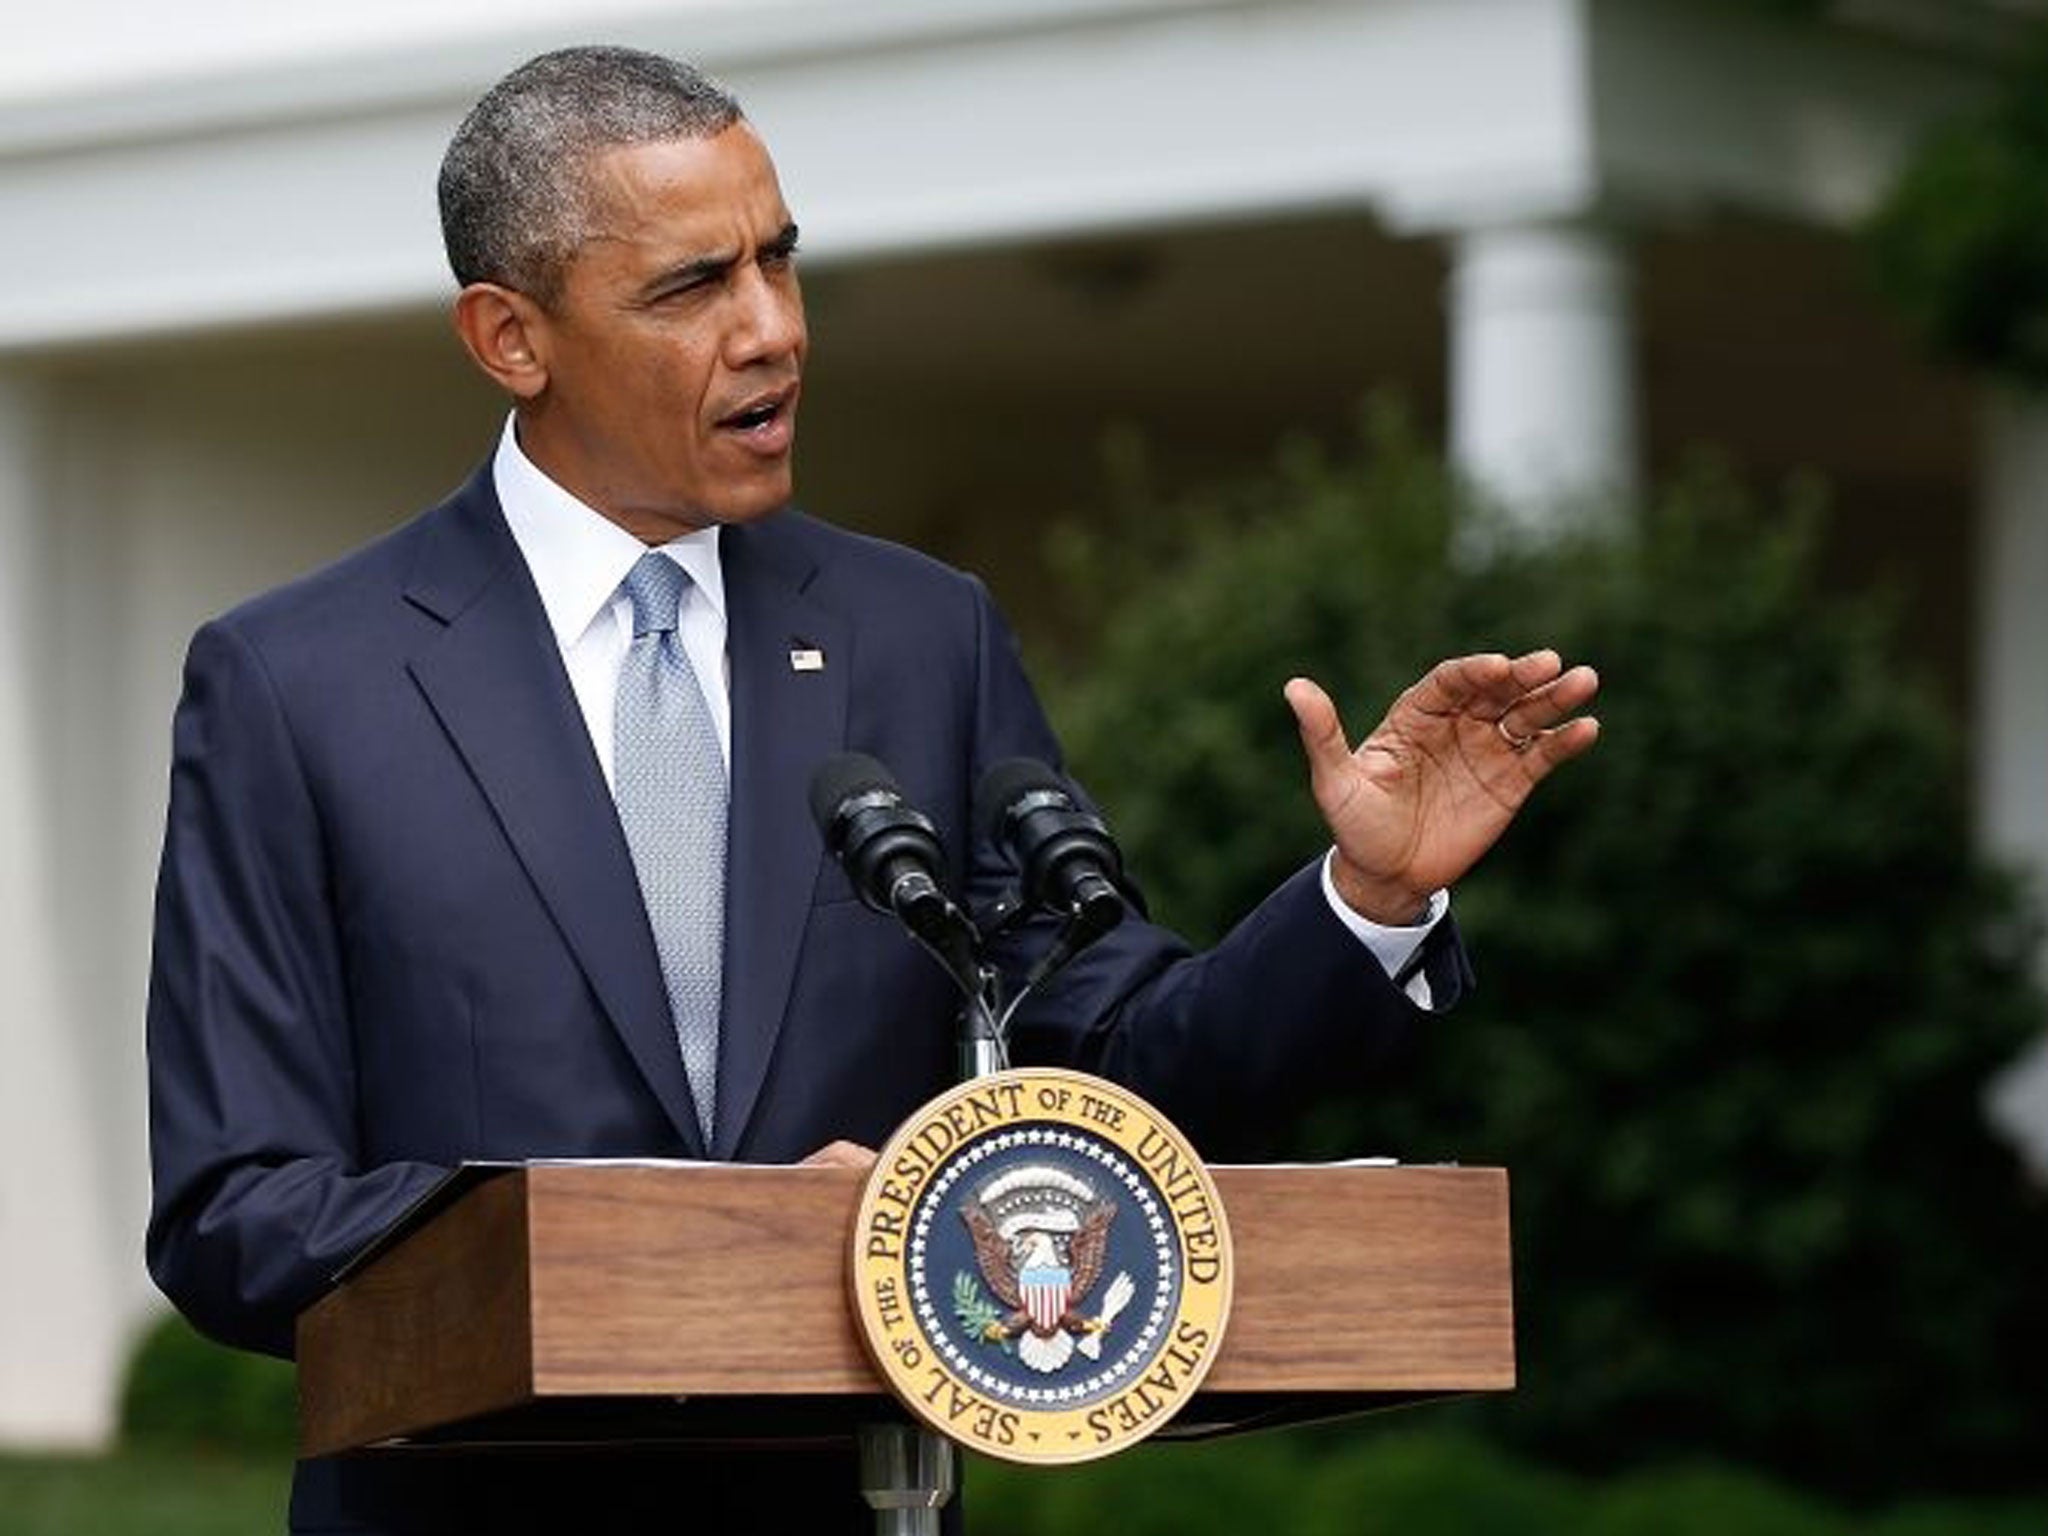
(770, 322)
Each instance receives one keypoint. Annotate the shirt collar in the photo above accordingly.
(577, 555)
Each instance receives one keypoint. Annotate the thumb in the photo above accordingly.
(1322, 733)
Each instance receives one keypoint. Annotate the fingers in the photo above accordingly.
(1535, 669)
(1529, 701)
(1560, 744)
(841, 1154)
(1542, 708)
(1322, 733)
(1474, 683)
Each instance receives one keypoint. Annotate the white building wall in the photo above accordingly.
(140, 494)
(62, 1314)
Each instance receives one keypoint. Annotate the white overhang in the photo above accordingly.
(307, 190)
(303, 190)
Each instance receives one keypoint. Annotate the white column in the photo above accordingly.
(2011, 736)
(1543, 388)
(2012, 635)
(63, 1326)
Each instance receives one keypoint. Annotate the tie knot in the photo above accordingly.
(655, 586)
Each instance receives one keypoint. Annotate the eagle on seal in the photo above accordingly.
(1041, 1237)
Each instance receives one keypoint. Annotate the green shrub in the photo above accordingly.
(1741, 978)
(1156, 1490)
(186, 1392)
(1419, 1484)
(1360, 1481)
(1959, 244)
(155, 1492)
(1366, 1481)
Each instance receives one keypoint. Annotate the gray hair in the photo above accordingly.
(515, 187)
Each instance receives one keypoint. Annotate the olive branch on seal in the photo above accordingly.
(978, 1315)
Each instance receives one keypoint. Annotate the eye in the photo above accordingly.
(781, 251)
(681, 291)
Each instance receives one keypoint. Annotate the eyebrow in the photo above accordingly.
(700, 268)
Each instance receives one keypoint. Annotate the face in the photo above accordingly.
(670, 364)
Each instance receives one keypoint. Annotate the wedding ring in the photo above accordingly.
(1515, 743)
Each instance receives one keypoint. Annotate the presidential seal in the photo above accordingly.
(1040, 1266)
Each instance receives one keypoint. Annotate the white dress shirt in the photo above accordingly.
(579, 557)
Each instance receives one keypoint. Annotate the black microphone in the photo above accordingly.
(1064, 854)
(889, 850)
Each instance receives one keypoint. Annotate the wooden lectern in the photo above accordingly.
(583, 1303)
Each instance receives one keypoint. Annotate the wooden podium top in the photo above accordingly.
(593, 1301)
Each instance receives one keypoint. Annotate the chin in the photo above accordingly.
(751, 509)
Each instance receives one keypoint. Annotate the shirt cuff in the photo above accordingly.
(1394, 948)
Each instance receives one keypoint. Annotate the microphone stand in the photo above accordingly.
(909, 1473)
(983, 1038)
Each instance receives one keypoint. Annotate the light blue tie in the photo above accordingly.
(670, 784)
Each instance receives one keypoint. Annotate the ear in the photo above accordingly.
(506, 333)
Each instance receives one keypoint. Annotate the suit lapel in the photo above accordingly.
(495, 680)
(788, 715)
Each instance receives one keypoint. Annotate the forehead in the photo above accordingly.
(677, 197)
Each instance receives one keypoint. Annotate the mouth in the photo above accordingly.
(766, 422)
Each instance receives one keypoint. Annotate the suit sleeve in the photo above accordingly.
(259, 1194)
(1231, 1042)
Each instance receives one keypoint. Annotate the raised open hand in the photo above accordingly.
(1421, 798)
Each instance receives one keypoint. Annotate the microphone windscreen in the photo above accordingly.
(840, 778)
(1003, 785)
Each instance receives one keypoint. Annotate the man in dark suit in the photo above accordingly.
(411, 911)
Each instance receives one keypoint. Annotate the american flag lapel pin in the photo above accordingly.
(806, 658)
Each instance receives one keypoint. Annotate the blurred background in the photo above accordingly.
(1224, 340)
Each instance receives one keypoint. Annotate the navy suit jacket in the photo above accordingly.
(397, 924)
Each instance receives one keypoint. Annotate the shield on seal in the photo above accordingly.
(1045, 1290)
